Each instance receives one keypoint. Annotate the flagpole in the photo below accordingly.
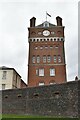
(46, 15)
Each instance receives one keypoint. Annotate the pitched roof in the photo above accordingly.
(7, 68)
(4, 67)
(46, 22)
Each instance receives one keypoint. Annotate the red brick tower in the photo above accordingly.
(46, 53)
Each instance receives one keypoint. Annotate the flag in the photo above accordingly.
(49, 15)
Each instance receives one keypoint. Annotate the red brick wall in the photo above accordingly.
(23, 85)
(60, 68)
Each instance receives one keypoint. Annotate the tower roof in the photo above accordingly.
(46, 24)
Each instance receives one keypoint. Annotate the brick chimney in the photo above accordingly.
(59, 21)
(32, 22)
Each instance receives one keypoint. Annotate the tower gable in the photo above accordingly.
(45, 24)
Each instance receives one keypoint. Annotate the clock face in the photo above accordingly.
(46, 33)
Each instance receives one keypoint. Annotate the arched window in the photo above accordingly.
(59, 58)
(44, 58)
(48, 58)
(38, 59)
(33, 59)
(55, 59)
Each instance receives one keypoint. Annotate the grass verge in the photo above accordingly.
(25, 117)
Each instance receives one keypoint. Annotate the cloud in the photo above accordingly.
(14, 21)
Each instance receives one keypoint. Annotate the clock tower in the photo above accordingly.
(46, 64)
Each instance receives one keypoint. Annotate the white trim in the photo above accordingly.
(46, 39)
(46, 64)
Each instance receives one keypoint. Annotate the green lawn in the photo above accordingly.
(24, 117)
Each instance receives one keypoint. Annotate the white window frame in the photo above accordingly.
(38, 59)
(41, 83)
(51, 47)
(33, 59)
(36, 71)
(41, 72)
(41, 47)
(46, 47)
(36, 48)
(56, 47)
(52, 82)
(48, 58)
(44, 58)
(59, 58)
(55, 58)
(52, 71)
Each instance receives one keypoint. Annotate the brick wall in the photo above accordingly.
(53, 100)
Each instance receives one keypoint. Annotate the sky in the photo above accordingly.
(78, 39)
(14, 23)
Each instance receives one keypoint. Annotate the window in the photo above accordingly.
(3, 86)
(33, 59)
(46, 47)
(16, 80)
(38, 59)
(36, 71)
(41, 83)
(36, 48)
(51, 47)
(39, 33)
(41, 47)
(48, 58)
(41, 72)
(52, 72)
(55, 60)
(56, 47)
(46, 24)
(52, 82)
(4, 74)
(59, 58)
(52, 33)
(44, 59)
